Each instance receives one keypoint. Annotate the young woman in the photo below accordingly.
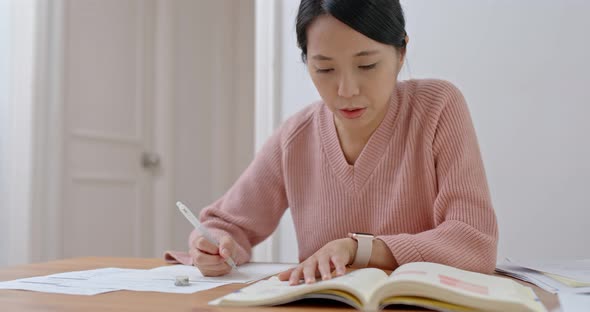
(396, 160)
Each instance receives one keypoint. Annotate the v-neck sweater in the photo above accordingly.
(419, 184)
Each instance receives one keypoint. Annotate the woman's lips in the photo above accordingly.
(352, 113)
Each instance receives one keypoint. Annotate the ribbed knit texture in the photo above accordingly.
(419, 184)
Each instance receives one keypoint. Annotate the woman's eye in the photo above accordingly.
(324, 70)
(367, 67)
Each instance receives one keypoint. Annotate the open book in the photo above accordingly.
(423, 284)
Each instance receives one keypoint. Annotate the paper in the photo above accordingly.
(574, 302)
(246, 273)
(543, 281)
(161, 279)
(577, 270)
(66, 283)
(567, 281)
(144, 280)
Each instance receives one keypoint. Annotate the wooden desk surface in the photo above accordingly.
(17, 300)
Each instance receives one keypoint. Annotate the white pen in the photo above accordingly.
(203, 230)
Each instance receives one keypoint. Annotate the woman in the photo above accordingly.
(398, 160)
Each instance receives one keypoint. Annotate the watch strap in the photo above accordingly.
(364, 249)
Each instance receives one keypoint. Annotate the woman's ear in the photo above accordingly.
(402, 52)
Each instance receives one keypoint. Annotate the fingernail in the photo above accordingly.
(326, 277)
(224, 252)
(310, 280)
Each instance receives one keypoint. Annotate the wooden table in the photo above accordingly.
(17, 300)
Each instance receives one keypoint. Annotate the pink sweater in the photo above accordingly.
(419, 184)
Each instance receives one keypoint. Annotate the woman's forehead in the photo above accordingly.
(327, 35)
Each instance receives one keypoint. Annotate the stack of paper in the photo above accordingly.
(161, 279)
(565, 276)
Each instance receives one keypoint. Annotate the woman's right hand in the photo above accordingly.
(210, 259)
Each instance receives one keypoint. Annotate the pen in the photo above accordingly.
(203, 230)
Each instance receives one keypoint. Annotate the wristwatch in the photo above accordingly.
(363, 250)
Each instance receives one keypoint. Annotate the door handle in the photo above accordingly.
(150, 160)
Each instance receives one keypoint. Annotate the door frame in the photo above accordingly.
(163, 124)
(267, 95)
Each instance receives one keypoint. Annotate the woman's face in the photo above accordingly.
(354, 74)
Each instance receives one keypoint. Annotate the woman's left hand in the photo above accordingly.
(336, 254)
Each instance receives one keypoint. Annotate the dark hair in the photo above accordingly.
(380, 20)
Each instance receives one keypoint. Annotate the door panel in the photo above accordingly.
(104, 157)
(107, 206)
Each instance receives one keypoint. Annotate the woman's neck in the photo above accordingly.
(352, 141)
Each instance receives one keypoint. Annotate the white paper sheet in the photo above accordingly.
(247, 273)
(161, 279)
(543, 281)
(67, 282)
(574, 302)
(578, 270)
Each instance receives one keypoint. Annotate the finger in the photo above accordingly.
(283, 276)
(210, 267)
(215, 271)
(295, 275)
(226, 247)
(325, 268)
(339, 265)
(204, 245)
(213, 267)
(309, 271)
(194, 253)
(203, 259)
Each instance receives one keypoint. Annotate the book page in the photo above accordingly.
(448, 284)
(354, 288)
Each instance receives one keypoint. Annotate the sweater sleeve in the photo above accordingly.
(251, 209)
(465, 233)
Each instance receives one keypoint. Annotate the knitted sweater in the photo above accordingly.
(419, 184)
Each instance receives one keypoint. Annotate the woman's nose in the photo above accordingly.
(348, 87)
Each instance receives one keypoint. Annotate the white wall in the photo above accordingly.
(523, 67)
(18, 23)
(4, 120)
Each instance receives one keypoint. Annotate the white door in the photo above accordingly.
(108, 72)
